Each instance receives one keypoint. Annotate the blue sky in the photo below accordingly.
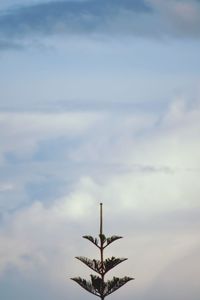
(100, 102)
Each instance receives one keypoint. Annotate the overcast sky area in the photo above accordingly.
(99, 102)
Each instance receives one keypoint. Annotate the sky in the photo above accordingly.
(99, 102)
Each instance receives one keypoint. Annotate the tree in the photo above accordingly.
(97, 285)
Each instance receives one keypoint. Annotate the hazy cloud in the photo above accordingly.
(179, 18)
(66, 16)
(5, 45)
(133, 18)
(112, 120)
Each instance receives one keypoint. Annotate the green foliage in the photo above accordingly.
(98, 286)
(111, 239)
(105, 241)
(87, 285)
(94, 264)
(98, 267)
(112, 262)
(91, 239)
(114, 284)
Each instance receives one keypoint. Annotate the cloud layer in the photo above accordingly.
(99, 18)
(104, 108)
(146, 176)
(67, 16)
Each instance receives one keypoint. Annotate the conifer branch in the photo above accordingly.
(98, 286)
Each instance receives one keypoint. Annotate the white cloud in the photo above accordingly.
(21, 132)
(44, 241)
(149, 187)
(4, 187)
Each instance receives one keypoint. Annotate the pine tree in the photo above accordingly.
(97, 285)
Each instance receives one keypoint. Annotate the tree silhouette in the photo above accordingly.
(97, 285)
